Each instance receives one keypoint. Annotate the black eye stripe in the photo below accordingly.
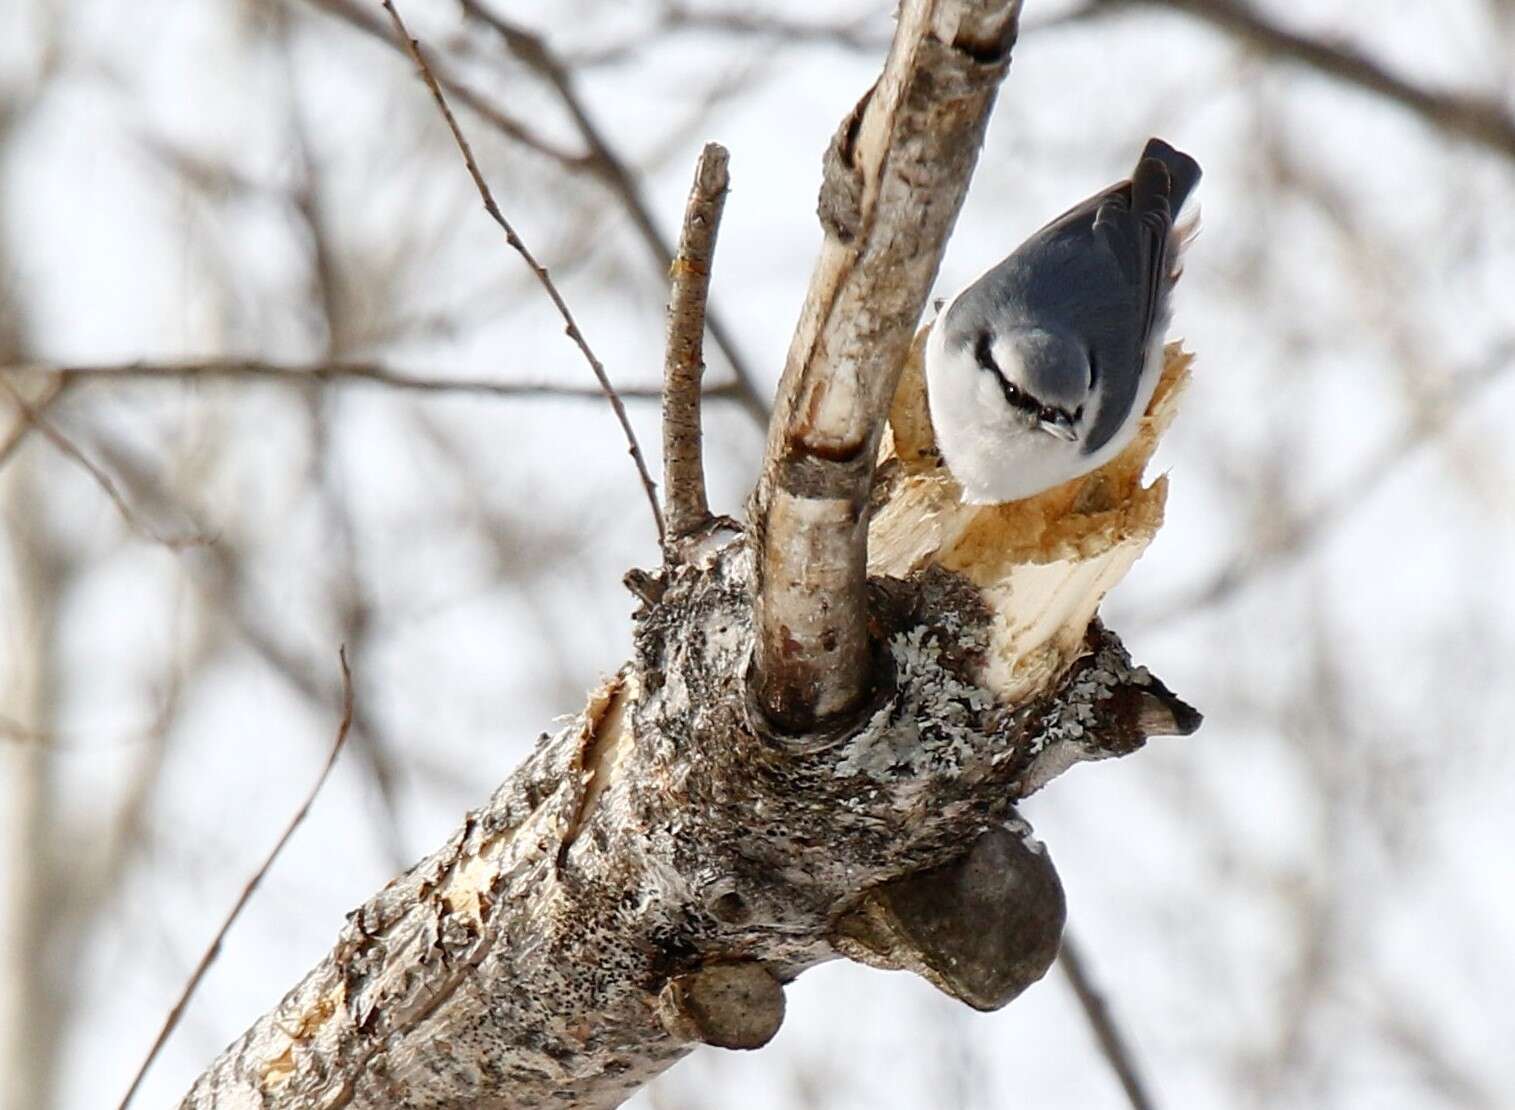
(1014, 395)
(984, 353)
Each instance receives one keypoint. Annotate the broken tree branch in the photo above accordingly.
(894, 179)
(684, 361)
(413, 48)
(655, 872)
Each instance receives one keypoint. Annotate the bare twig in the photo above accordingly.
(355, 16)
(1113, 1044)
(414, 49)
(17, 433)
(600, 161)
(177, 1013)
(684, 363)
(534, 52)
(1484, 121)
(866, 34)
(333, 373)
(50, 431)
(895, 177)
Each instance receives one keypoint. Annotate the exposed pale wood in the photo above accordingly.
(1044, 564)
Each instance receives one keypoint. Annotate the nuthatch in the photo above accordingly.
(1039, 371)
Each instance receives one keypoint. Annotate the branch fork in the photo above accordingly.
(818, 746)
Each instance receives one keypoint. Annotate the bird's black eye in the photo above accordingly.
(1078, 414)
(984, 354)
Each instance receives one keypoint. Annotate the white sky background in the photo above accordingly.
(1308, 904)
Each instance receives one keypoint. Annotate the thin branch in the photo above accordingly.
(1482, 120)
(601, 161)
(17, 434)
(223, 580)
(684, 363)
(354, 16)
(50, 431)
(867, 33)
(534, 52)
(1113, 1044)
(177, 1013)
(414, 49)
(334, 373)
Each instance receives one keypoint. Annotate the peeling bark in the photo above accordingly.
(818, 745)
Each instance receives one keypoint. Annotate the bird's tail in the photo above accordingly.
(1183, 171)
(1183, 175)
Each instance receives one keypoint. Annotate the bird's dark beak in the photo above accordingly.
(1059, 428)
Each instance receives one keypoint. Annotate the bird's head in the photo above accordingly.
(1044, 377)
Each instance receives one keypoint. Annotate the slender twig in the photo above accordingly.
(67, 447)
(354, 16)
(684, 361)
(17, 434)
(1112, 1042)
(334, 373)
(534, 52)
(413, 48)
(209, 957)
(868, 33)
(864, 35)
(1480, 119)
(601, 161)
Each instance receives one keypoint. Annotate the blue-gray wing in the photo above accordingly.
(1100, 273)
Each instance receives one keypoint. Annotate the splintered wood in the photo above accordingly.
(1043, 564)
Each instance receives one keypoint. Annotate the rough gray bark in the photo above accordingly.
(756, 791)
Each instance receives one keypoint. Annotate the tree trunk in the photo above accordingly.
(820, 714)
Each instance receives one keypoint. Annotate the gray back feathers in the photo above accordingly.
(1096, 278)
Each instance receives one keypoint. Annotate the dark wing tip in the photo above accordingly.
(1183, 171)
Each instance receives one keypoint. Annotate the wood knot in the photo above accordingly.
(730, 1005)
(982, 928)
